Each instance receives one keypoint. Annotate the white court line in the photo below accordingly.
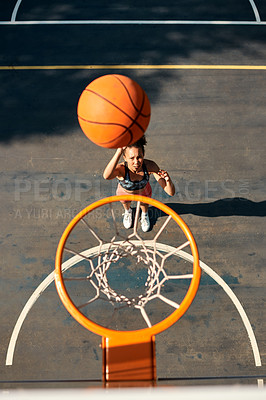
(133, 66)
(128, 22)
(237, 304)
(90, 252)
(15, 11)
(255, 10)
(131, 22)
(180, 392)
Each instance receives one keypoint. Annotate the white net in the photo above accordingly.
(125, 249)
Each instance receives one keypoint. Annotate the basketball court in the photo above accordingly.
(203, 68)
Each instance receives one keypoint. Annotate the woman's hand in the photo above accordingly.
(168, 185)
(163, 174)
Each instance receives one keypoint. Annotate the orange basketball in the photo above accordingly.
(113, 111)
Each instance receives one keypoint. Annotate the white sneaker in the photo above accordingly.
(127, 220)
(145, 222)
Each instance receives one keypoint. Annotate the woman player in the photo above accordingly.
(133, 176)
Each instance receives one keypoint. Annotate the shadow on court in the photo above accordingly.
(220, 208)
(44, 102)
(126, 10)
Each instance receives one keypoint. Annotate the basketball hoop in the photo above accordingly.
(128, 354)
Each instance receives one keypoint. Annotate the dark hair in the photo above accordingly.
(139, 144)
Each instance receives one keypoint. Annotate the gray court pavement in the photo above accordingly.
(207, 129)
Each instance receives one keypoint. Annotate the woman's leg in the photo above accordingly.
(126, 205)
(144, 207)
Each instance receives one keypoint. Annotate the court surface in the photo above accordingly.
(203, 66)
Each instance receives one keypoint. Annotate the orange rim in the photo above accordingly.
(136, 335)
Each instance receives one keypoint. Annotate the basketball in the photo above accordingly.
(113, 111)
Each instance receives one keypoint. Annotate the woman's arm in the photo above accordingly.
(112, 169)
(166, 182)
(162, 177)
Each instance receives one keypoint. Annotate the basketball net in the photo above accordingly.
(128, 355)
